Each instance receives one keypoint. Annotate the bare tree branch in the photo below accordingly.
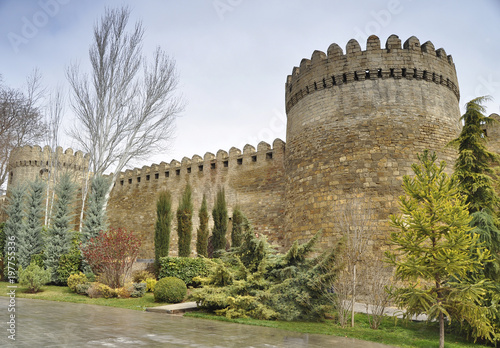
(126, 109)
(21, 121)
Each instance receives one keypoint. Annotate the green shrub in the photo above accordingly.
(170, 289)
(185, 268)
(38, 259)
(33, 277)
(138, 290)
(75, 279)
(68, 264)
(90, 276)
(82, 289)
(150, 284)
(141, 275)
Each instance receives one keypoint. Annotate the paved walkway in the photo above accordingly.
(59, 324)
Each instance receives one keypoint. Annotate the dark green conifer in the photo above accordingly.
(185, 223)
(202, 235)
(162, 226)
(219, 214)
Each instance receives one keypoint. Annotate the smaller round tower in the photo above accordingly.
(30, 162)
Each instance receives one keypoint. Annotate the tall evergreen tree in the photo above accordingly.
(473, 167)
(202, 235)
(432, 253)
(219, 214)
(95, 216)
(237, 230)
(14, 230)
(162, 226)
(59, 233)
(33, 238)
(185, 223)
(474, 173)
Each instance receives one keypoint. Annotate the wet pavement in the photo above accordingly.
(41, 323)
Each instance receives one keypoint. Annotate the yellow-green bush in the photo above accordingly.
(101, 290)
(75, 279)
(150, 284)
(141, 275)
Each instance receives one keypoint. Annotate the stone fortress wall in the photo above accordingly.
(252, 179)
(355, 123)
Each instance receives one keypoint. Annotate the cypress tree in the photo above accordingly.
(474, 173)
(162, 226)
(59, 236)
(185, 223)
(95, 217)
(14, 230)
(237, 230)
(219, 214)
(473, 167)
(33, 239)
(202, 235)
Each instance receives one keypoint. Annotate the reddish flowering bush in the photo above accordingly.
(111, 255)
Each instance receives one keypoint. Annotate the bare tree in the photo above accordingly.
(21, 121)
(126, 109)
(53, 114)
(377, 284)
(354, 219)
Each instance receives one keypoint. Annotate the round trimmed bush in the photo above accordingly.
(170, 289)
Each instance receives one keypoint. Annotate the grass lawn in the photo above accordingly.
(401, 334)
(64, 294)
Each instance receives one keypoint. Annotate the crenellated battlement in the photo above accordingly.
(209, 165)
(35, 156)
(333, 69)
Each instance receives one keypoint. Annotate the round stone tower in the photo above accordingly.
(29, 162)
(356, 122)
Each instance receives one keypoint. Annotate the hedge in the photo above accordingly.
(185, 268)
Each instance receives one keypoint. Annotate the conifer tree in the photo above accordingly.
(432, 253)
(475, 173)
(473, 168)
(162, 226)
(219, 214)
(14, 230)
(33, 238)
(202, 235)
(59, 233)
(95, 217)
(185, 223)
(237, 230)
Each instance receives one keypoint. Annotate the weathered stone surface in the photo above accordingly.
(356, 122)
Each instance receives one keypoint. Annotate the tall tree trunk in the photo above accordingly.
(353, 294)
(441, 330)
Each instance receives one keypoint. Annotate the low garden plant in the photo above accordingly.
(111, 255)
(254, 281)
(170, 289)
(33, 277)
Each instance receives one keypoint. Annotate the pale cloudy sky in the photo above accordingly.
(233, 56)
